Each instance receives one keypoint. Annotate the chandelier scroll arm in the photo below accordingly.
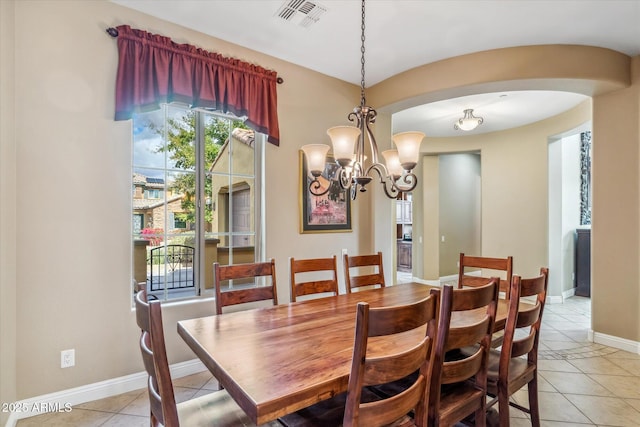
(386, 179)
(410, 179)
(315, 185)
(370, 117)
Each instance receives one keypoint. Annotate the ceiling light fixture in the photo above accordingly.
(349, 151)
(468, 122)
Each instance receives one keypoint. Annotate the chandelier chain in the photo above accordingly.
(362, 98)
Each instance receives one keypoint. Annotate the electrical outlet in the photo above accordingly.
(67, 358)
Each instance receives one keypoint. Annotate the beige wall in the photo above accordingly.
(615, 235)
(60, 89)
(426, 233)
(514, 204)
(7, 212)
(65, 139)
(460, 209)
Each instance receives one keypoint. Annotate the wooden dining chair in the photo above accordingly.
(508, 372)
(370, 279)
(244, 293)
(368, 371)
(217, 408)
(304, 282)
(495, 264)
(475, 262)
(359, 406)
(459, 382)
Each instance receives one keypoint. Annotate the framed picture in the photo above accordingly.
(329, 213)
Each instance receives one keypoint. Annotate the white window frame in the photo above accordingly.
(259, 211)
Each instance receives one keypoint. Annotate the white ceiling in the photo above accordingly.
(403, 34)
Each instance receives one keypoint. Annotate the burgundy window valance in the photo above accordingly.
(153, 69)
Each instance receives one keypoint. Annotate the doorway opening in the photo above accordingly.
(569, 186)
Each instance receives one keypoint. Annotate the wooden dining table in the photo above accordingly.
(276, 360)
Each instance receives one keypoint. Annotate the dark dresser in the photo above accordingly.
(583, 262)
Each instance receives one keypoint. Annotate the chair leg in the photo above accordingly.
(481, 417)
(534, 409)
(503, 407)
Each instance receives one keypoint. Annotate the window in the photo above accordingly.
(153, 194)
(176, 222)
(197, 198)
(138, 220)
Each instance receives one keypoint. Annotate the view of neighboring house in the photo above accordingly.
(234, 184)
(149, 205)
(149, 198)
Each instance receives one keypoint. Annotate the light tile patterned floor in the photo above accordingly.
(581, 383)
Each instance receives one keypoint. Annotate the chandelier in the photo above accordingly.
(468, 122)
(354, 173)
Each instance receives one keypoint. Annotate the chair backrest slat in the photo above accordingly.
(244, 295)
(485, 263)
(460, 370)
(523, 345)
(301, 269)
(528, 317)
(367, 279)
(461, 337)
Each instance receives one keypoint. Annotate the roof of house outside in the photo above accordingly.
(140, 204)
(246, 136)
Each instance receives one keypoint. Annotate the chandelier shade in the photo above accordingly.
(392, 160)
(316, 155)
(408, 144)
(343, 139)
(348, 143)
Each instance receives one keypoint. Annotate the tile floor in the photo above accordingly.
(581, 383)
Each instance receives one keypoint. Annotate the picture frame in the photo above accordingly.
(329, 213)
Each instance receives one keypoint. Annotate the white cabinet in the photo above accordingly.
(406, 212)
(403, 211)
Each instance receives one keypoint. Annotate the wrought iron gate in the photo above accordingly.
(172, 267)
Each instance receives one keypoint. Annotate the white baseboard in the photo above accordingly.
(615, 342)
(427, 282)
(454, 277)
(569, 293)
(60, 400)
(558, 299)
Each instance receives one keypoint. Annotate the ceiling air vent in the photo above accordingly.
(301, 12)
